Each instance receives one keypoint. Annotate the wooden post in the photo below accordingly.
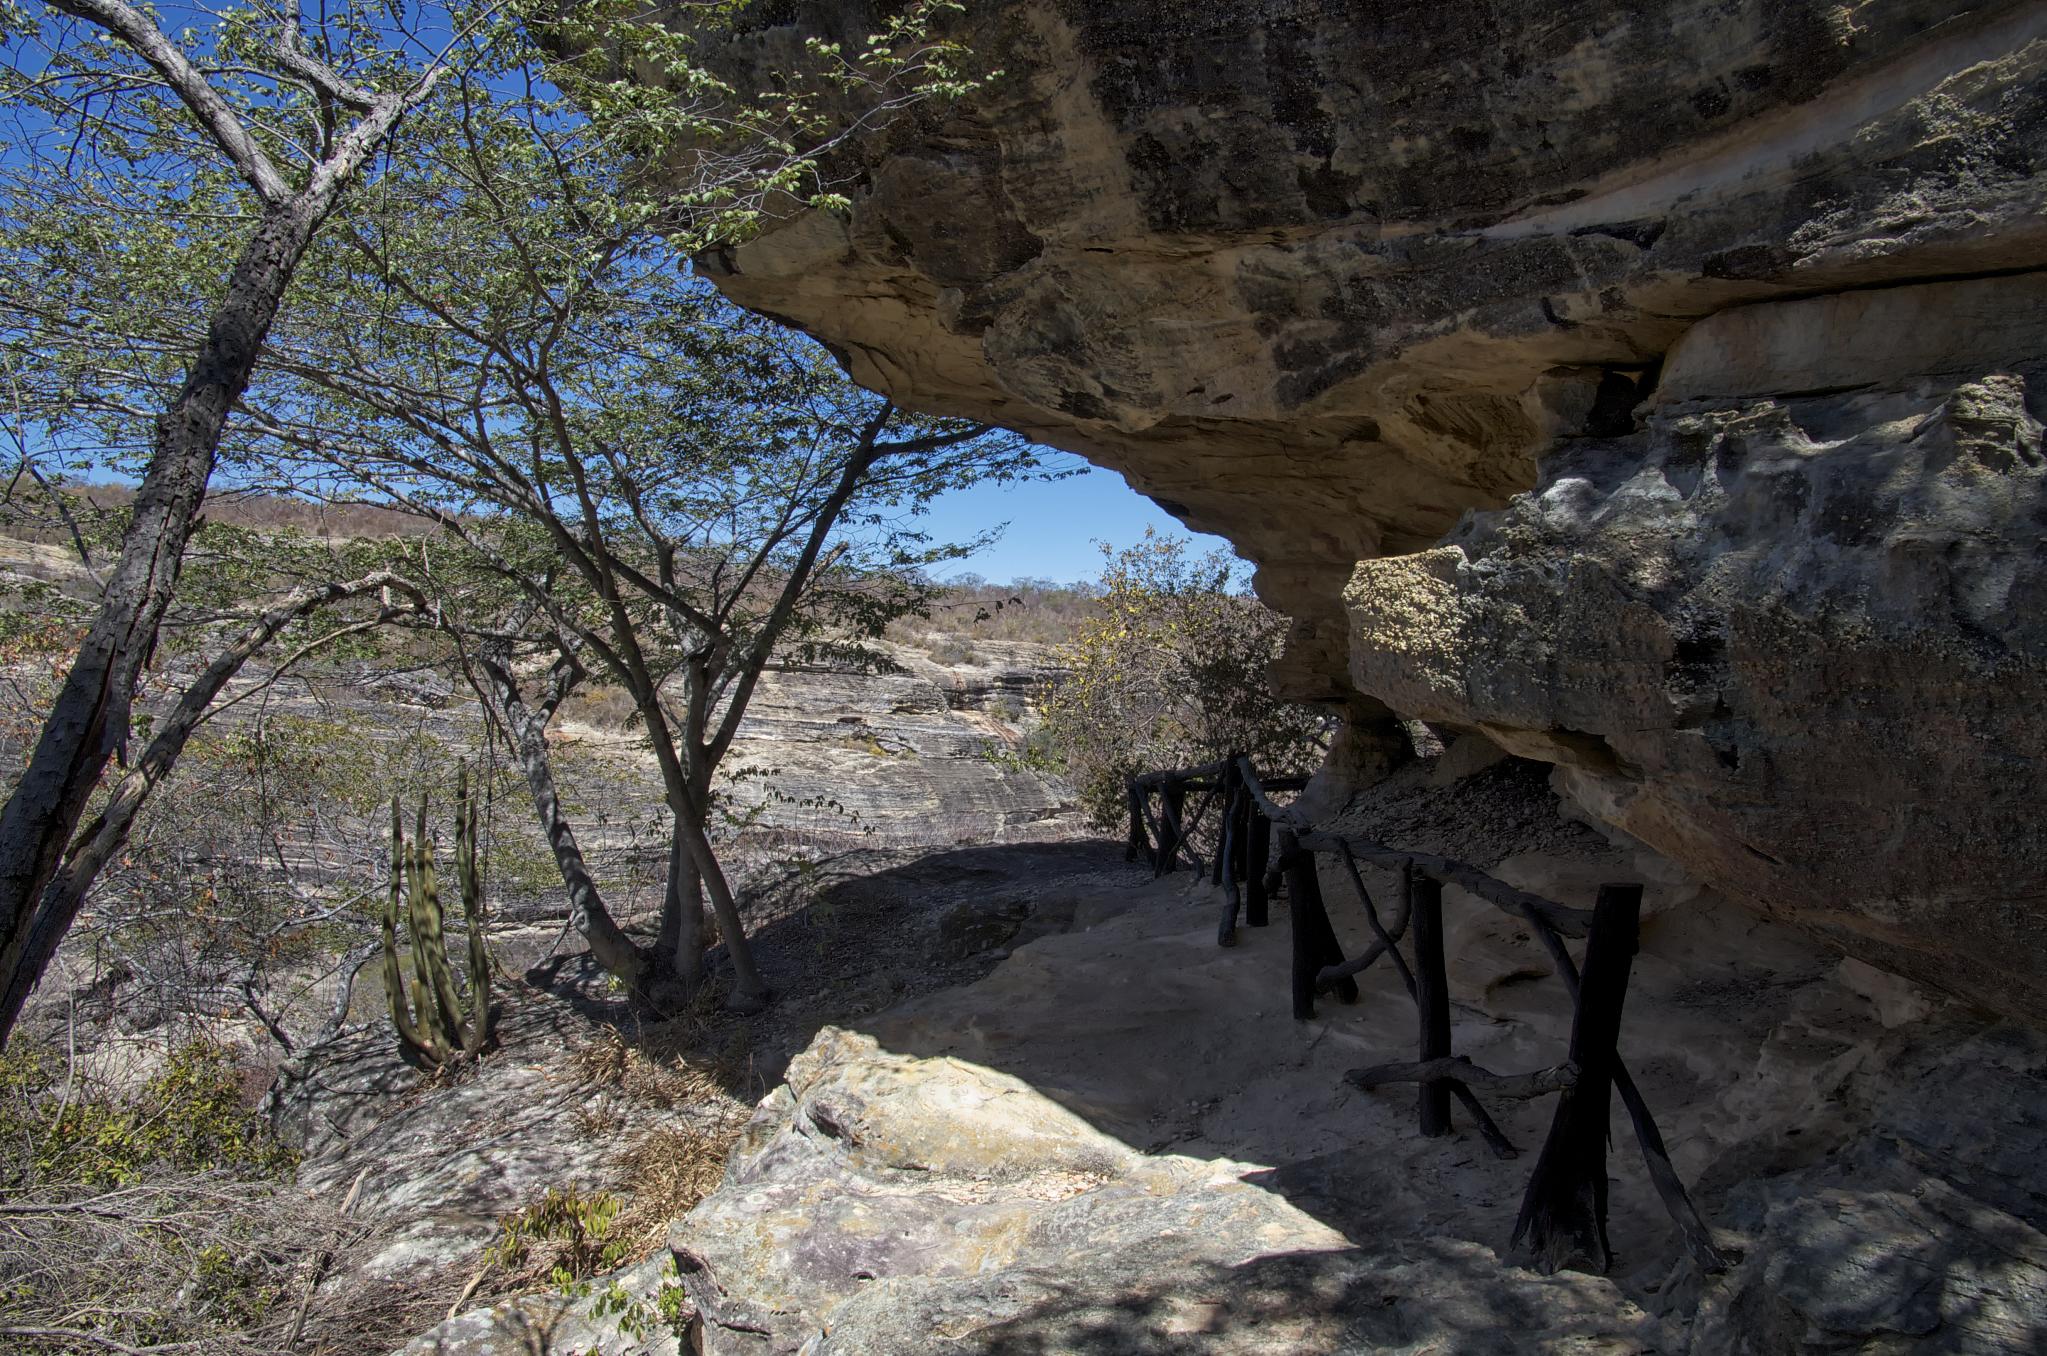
(1314, 940)
(1226, 855)
(1432, 995)
(1242, 819)
(1226, 803)
(1257, 853)
(1138, 847)
(1173, 804)
(1563, 1216)
(1303, 893)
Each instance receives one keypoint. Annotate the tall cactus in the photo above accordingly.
(433, 1029)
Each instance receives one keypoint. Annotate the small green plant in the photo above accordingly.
(668, 1311)
(189, 1116)
(433, 1029)
(564, 1238)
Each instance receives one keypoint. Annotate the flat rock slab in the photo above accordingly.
(884, 1204)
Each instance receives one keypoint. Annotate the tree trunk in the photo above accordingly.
(88, 722)
(526, 729)
(683, 922)
(108, 833)
(749, 990)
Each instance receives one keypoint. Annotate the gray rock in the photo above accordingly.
(1325, 279)
(973, 926)
(1878, 1259)
(1794, 642)
(880, 1204)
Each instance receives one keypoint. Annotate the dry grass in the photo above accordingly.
(179, 1261)
(696, 1096)
(667, 1171)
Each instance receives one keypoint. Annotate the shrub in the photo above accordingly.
(1168, 669)
(189, 1117)
(564, 1237)
(953, 650)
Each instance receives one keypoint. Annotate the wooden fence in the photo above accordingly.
(1257, 844)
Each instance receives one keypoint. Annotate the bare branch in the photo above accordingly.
(140, 33)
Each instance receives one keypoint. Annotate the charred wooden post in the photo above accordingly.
(1138, 848)
(1303, 893)
(1227, 801)
(1173, 808)
(1488, 1128)
(1386, 936)
(1432, 995)
(1314, 940)
(1563, 1215)
(1226, 858)
(1240, 774)
(1516, 1087)
(1669, 1186)
(1257, 856)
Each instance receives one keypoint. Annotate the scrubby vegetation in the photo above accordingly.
(153, 1215)
(370, 425)
(1168, 669)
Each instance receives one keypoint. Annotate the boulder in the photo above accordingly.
(1792, 633)
(880, 1203)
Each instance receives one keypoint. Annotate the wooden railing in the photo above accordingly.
(1564, 1210)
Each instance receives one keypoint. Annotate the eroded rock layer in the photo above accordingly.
(1325, 278)
(1792, 633)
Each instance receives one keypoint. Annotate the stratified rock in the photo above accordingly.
(1794, 634)
(919, 756)
(1326, 278)
(880, 1204)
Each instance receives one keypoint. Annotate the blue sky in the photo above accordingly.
(1053, 525)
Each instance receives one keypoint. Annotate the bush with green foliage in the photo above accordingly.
(1168, 669)
(187, 1117)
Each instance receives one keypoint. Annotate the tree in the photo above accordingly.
(110, 305)
(630, 475)
(133, 105)
(1168, 669)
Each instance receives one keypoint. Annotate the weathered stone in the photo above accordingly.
(973, 926)
(1326, 279)
(902, 758)
(1118, 1140)
(1796, 642)
(879, 1203)
(1876, 1259)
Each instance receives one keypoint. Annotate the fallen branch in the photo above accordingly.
(1459, 1069)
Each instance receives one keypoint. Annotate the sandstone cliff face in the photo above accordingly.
(1327, 279)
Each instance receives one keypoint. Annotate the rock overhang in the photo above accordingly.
(1328, 282)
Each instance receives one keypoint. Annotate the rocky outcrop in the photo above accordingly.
(879, 1201)
(922, 756)
(1328, 279)
(1794, 633)
(1119, 1140)
(927, 754)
